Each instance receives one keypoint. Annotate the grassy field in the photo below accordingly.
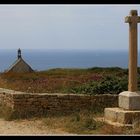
(86, 81)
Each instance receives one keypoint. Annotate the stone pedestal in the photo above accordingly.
(129, 100)
(121, 117)
(128, 112)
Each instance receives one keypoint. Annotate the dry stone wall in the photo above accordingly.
(37, 104)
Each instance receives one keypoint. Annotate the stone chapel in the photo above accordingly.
(19, 65)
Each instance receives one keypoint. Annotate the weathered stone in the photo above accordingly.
(120, 116)
(129, 100)
(30, 104)
(133, 19)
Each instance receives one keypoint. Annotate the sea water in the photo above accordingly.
(48, 59)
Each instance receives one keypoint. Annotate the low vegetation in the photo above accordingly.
(86, 81)
(76, 123)
(86, 123)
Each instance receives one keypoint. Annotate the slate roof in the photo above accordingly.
(16, 63)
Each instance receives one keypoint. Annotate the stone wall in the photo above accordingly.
(37, 104)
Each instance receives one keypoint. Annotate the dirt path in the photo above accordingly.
(27, 127)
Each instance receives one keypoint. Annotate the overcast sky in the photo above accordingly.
(87, 27)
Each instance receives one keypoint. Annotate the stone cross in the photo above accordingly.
(133, 19)
(128, 112)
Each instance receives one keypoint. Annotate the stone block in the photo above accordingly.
(121, 116)
(110, 114)
(129, 100)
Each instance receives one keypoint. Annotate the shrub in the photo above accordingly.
(108, 85)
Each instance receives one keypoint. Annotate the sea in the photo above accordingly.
(40, 59)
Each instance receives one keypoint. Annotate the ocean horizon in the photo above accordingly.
(48, 59)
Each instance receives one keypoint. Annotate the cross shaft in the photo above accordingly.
(133, 19)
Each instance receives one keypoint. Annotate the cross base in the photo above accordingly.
(129, 100)
(122, 118)
(128, 112)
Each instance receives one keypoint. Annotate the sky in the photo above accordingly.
(66, 27)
